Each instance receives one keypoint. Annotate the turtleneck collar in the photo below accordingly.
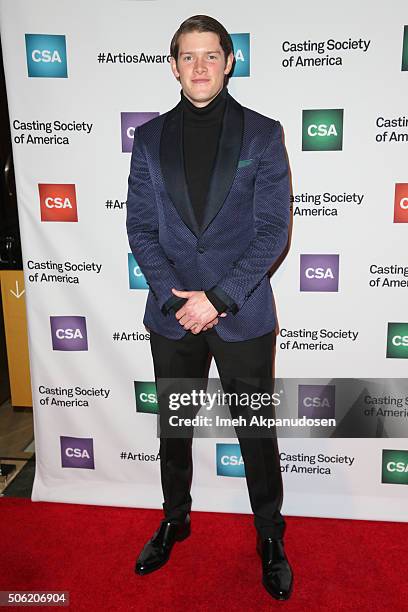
(211, 110)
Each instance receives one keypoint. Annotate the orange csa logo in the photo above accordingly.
(58, 202)
(401, 203)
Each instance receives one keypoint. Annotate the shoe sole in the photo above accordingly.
(179, 538)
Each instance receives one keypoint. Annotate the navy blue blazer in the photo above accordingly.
(245, 226)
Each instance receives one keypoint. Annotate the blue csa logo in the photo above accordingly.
(229, 460)
(241, 51)
(136, 277)
(46, 55)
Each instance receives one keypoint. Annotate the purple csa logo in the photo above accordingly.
(129, 122)
(319, 272)
(77, 453)
(316, 401)
(69, 333)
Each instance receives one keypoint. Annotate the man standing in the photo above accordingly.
(207, 216)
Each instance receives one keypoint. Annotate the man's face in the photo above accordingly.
(201, 66)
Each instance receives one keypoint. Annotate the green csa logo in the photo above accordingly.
(322, 130)
(395, 466)
(405, 50)
(146, 397)
(397, 340)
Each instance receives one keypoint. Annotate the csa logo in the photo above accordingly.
(401, 203)
(405, 50)
(240, 43)
(394, 466)
(77, 453)
(316, 401)
(129, 122)
(146, 397)
(319, 273)
(322, 130)
(58, 202)
(136, 277)
(397, 340)
(46, 55)
(229, 460)
(69, 333)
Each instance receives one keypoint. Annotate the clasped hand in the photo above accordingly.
(197, 314)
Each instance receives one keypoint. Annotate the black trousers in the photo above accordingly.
(190, 357)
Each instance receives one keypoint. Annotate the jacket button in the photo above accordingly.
(200, 250)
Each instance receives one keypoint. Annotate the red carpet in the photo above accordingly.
(90, 551)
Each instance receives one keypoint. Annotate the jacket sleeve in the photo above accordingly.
(174, 303)
(272, 216)
(143, 228)
(220, 300)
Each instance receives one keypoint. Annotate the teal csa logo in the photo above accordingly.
(229, 460)
(394, 466)
(146, 397)
(397, 341)
(240, 44)
(136, 277)
(405, 50)
(46, 55)
(322, 130)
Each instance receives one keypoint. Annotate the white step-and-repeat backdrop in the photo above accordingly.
(80, 76)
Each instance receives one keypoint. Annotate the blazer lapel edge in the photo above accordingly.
(226, 160)
(172, 167)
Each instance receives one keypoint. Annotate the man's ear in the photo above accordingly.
(230, 61)
(174, 70)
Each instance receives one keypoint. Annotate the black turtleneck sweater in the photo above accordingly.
(201, 132)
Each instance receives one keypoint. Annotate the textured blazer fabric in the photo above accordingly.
(245, 226)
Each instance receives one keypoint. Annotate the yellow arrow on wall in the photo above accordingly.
(18, 294)
(15, 326)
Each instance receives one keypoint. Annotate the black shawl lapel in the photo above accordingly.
(226, 160)
(225, 164)
(172, 166)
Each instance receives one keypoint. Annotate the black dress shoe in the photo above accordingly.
(157, 550)
(277, 575)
